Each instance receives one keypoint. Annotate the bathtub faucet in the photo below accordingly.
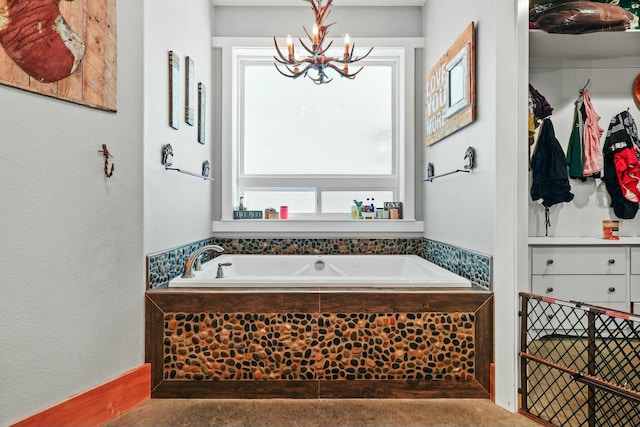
(194, 256)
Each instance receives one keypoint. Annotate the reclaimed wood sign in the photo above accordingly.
(450, 90)
(61, 48)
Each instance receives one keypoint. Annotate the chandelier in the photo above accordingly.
(317, 60)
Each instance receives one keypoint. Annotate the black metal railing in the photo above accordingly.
(580, 364)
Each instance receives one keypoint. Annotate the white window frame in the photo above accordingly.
(231, 47)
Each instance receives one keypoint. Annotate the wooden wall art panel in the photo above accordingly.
(65, 49)
(450, 101)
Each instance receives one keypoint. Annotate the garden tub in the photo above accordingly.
(321, 271)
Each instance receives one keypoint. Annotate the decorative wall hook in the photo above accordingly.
(108, 172)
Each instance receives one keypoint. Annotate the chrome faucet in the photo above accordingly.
(189, 264)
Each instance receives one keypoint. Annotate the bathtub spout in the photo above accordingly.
(189, 264)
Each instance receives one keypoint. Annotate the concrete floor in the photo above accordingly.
(322, 412)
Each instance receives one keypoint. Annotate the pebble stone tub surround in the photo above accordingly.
(294, 346)
(226, 343)
(234, 344)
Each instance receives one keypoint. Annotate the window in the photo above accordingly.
(316, 148)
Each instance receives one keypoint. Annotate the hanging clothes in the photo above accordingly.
(592, 156)
(622, 136)
(550, 179)
(542, 108)
(574, 148)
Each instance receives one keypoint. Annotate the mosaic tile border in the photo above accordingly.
(471, 265)
(165, 265)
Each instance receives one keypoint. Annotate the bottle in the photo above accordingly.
(373, 205)
(367, 206)
(241, 206)
(355, 211)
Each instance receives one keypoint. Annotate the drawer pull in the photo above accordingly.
(611, 290)
(612, 261)
(549, 261)
(549, 290)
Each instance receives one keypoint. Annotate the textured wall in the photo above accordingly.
(72, 253)
(177, 207)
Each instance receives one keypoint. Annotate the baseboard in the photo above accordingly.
(99, 404)
(492, 388)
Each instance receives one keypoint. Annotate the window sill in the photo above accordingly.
(314, 228)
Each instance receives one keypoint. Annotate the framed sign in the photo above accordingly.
(450, 90)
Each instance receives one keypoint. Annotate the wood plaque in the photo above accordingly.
(62, 49)
(450, 90)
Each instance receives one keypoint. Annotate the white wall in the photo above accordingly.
(72, 262)
(478, 211)
(178, 207)
(460, 208)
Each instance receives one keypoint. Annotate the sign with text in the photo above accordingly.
(450, 90)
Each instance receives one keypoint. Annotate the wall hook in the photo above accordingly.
(108, 172)
(585, 86)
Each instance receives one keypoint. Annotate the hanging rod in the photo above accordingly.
(431, 178)
(167, 161)
(468, 166)
(206, 178)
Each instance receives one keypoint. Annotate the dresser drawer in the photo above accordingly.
(635, 260)
(595, 288)
(635, 288)
(578, 260)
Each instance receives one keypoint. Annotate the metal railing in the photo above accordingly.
(580, 364)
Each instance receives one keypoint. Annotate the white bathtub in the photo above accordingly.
(322, 271)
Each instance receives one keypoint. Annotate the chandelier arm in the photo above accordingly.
(307, 33)
(283, 73)
(322, 51)
(285, 59)
(360, 57)
(293, 74)
(284, 62)
(321, 79)
(311, 51)
(342, 73)
(325, 10)
(301, 72)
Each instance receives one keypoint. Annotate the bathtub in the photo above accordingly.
(322, 271)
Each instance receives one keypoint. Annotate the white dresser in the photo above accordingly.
(589, 270)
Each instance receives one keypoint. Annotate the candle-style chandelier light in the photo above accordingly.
(317, 60)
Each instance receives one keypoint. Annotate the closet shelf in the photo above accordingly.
(591, 46)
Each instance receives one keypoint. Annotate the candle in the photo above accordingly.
(315, 34)
(347, 40)
(290, 47)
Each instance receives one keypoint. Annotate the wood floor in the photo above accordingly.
(321, 412)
